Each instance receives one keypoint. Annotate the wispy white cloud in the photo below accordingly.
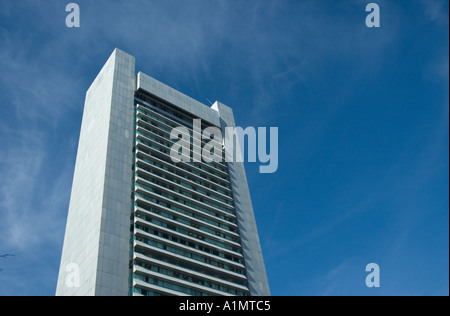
(320, 230)
(438, 70)
(332, 282)
(38, 90)
(32, 203)
(21, 160)
(37, 96)
(436, 11)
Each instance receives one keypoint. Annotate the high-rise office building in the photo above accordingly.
(140, 224)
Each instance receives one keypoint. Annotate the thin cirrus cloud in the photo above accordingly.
(435, 11)
(21, 161)
(37, 95)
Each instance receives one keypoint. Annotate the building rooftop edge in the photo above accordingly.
(177, 98)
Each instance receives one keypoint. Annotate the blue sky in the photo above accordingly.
(363, 118)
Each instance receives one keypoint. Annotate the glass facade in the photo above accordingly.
(184, 231)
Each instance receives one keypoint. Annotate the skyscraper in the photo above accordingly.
(140, 224)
